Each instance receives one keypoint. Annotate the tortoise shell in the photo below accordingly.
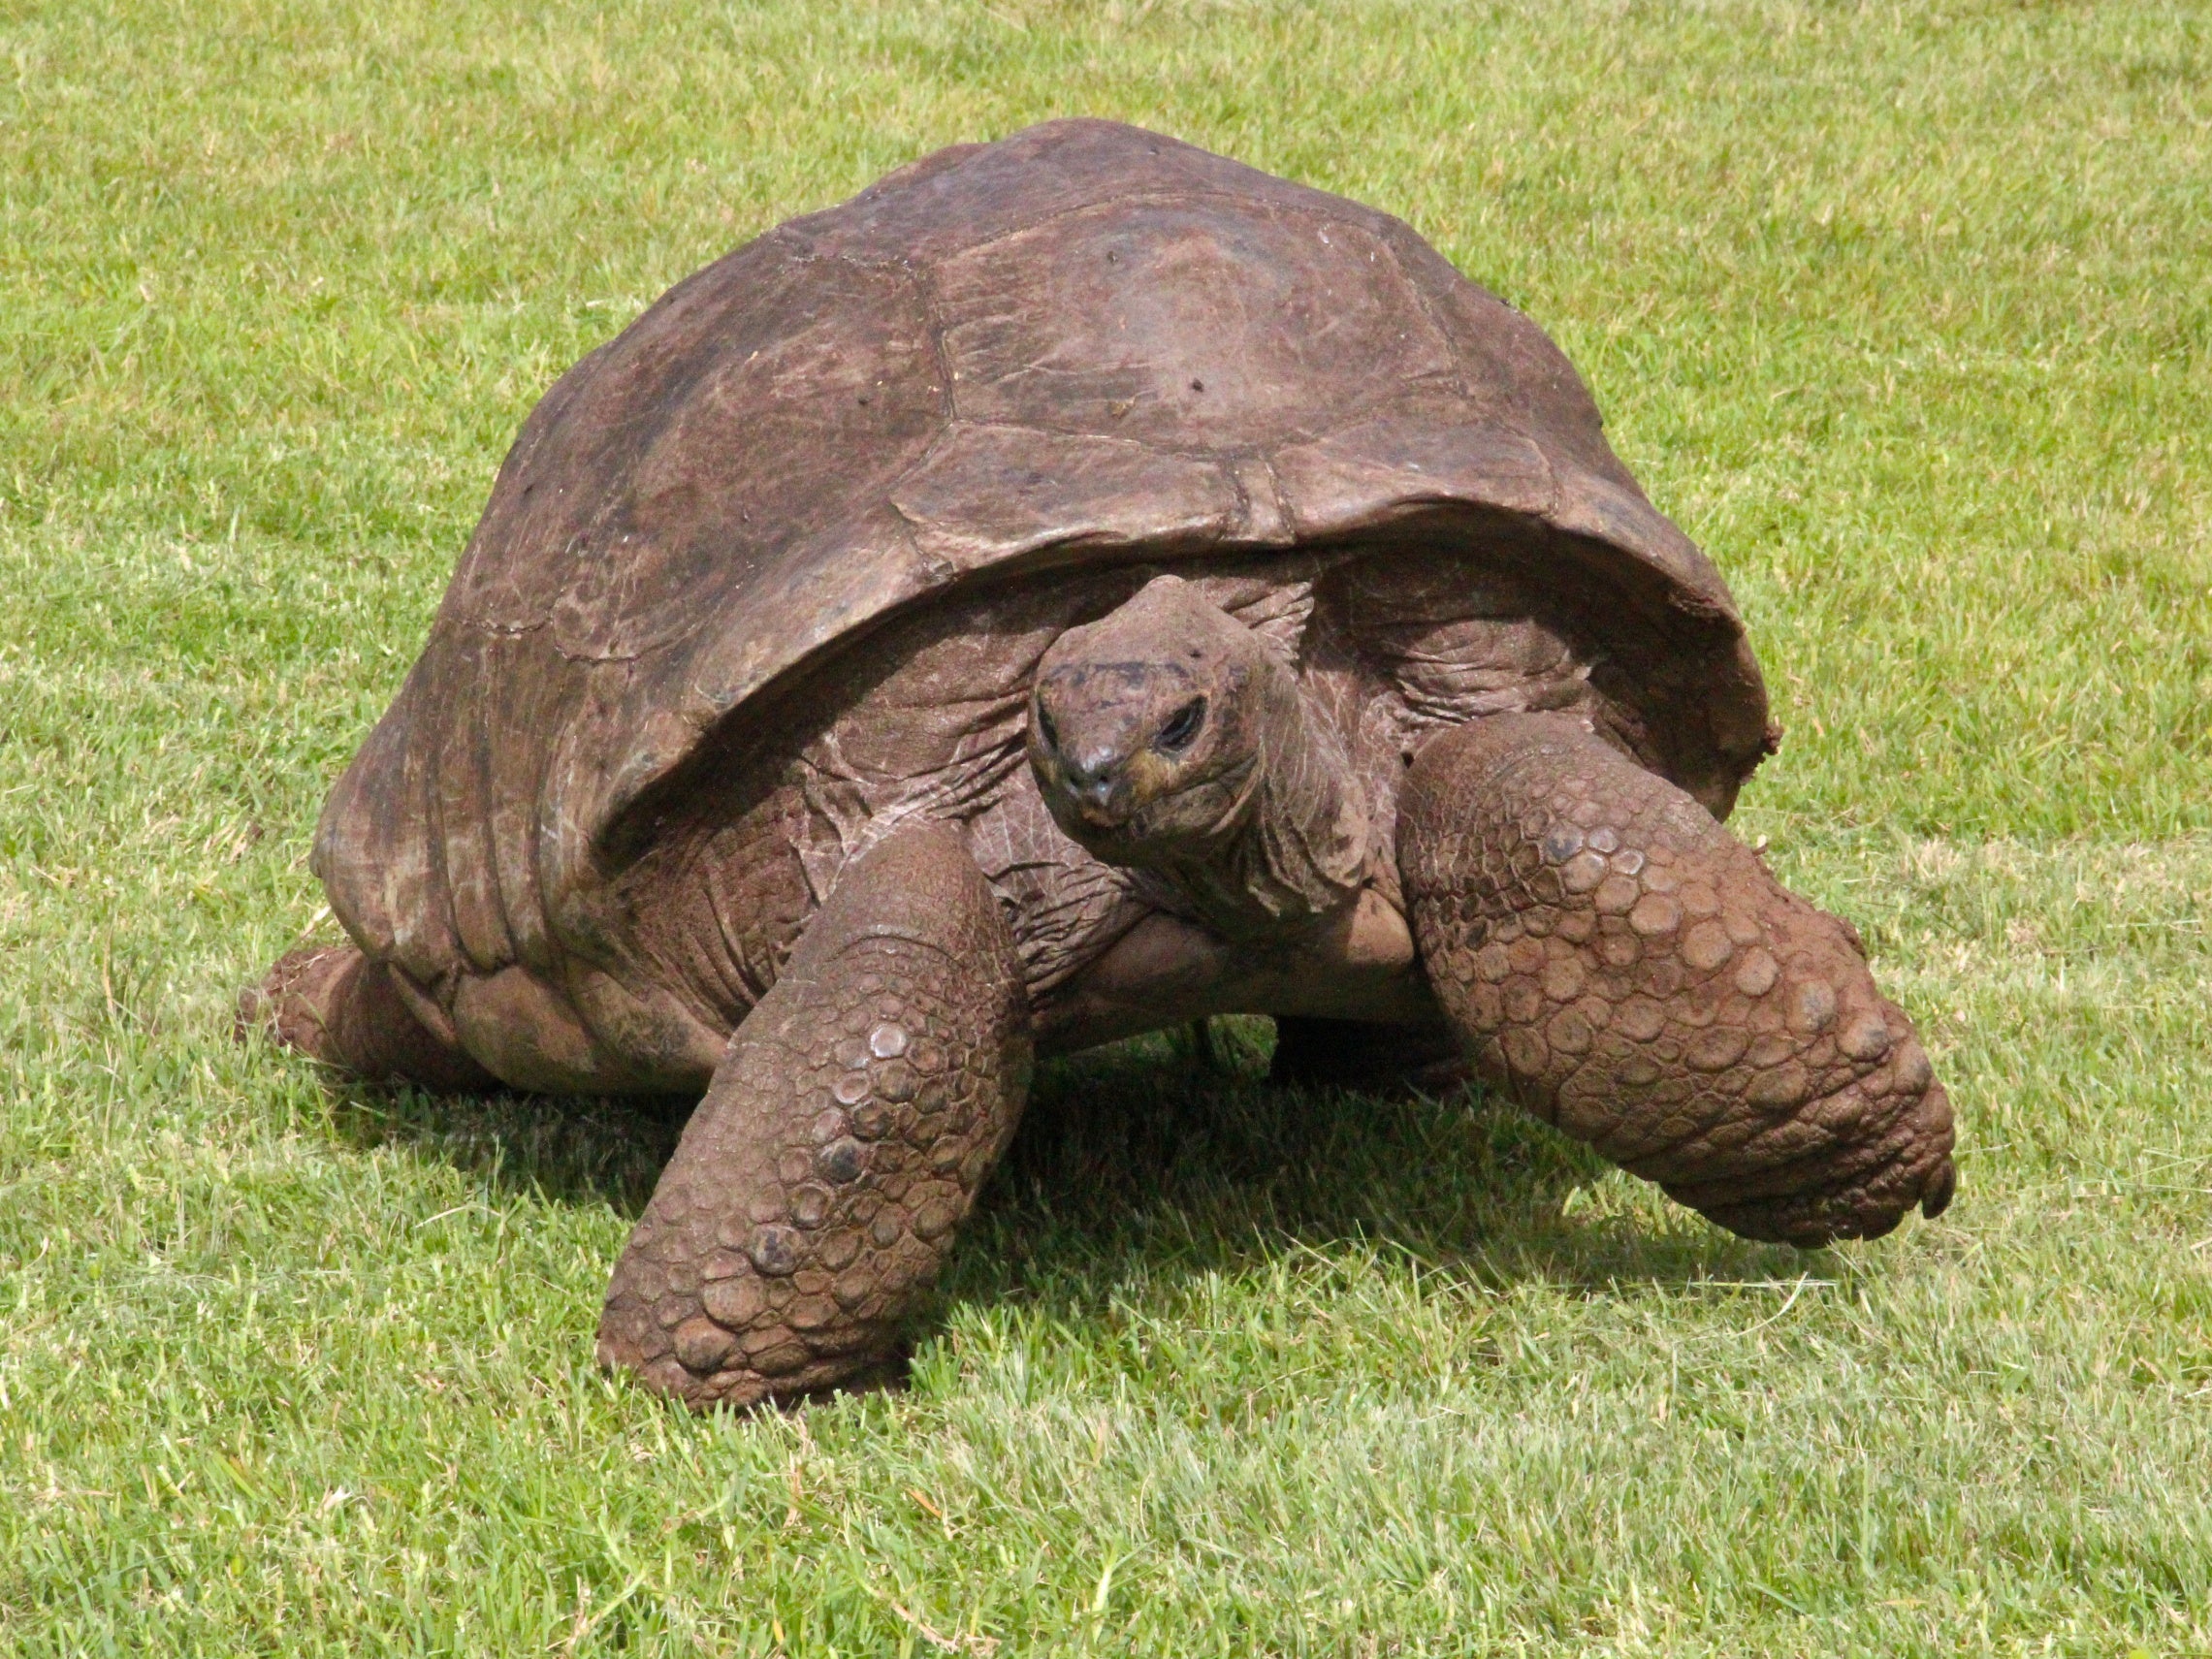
(1085, 342)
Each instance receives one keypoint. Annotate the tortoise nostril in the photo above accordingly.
(1092, 769)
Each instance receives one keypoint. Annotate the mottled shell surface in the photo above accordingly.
(1084, 343)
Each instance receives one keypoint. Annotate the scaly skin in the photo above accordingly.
(854, 1115)
(1630, 973)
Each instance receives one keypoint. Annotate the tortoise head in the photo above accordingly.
(1146, 727)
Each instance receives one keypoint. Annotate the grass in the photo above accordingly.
(1903, 311)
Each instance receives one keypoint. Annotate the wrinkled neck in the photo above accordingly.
(1300, 850)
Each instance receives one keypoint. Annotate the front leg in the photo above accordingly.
(1629, 971)
(846, 1129)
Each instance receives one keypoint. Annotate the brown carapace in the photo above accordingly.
(1079, 586)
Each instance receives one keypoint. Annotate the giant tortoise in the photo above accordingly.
(1079, 586)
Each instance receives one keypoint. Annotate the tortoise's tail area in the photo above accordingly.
(333, 1005)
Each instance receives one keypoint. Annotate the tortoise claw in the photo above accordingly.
(1942, 1187)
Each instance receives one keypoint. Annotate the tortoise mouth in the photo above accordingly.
(1143, 809)
(1102, 788)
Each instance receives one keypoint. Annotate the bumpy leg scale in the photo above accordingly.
(1628, 971)
(848, 1125)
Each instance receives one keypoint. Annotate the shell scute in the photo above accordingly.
(1204, 325)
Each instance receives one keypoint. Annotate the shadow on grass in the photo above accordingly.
(1147, 1161)
(557, 1148)
(1138, 1162)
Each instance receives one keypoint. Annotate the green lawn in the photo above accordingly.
(1904, 312)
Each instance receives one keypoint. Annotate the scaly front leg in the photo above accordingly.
(845, 1132)
(1628, 971)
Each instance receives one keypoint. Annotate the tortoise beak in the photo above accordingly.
(1092, 783)
(1092, 797)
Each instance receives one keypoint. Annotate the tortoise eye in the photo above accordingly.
(1045, 729)
(1182, 726)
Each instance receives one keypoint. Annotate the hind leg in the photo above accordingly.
(1356, 1054)
(333, 1005)
(848, 1125)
